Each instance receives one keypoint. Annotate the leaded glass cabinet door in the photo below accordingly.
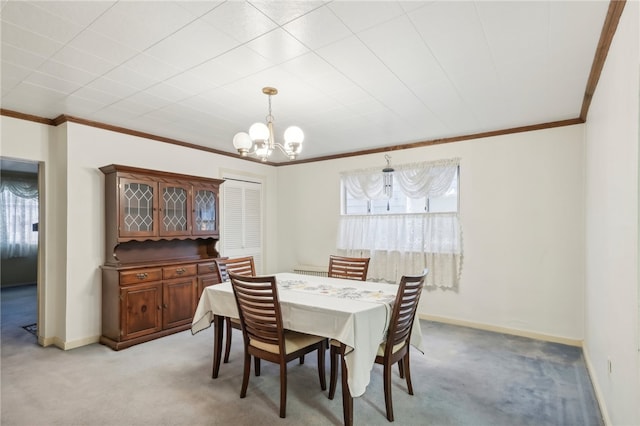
(138, 208)
(175, 205)
(205, 210)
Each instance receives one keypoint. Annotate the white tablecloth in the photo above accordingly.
(355, 313)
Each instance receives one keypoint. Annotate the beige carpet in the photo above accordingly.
(466, 377)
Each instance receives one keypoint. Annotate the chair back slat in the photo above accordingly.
(238, 266)
(404, 310)
(351, 268)
(258, 308)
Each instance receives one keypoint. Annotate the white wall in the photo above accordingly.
(72, 154)
(612, 329)
(521, 201)
(32, 141)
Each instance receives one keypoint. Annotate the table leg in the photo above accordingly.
(347, 399)
(218, 322)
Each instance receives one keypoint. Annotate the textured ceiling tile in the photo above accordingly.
(16, 56)
(82, 13)
(382, 73)
(454, 34)
(88, 62)
(39, 21)
(318, 28)
(103, 47)
(405, 54)
(282, 12)
(360, 15)
(277, 46)
(28, 40)
(239, 20)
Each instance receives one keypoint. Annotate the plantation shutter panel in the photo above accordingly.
(232, 229)
(242, 220)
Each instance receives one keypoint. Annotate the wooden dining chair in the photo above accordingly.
(352, 268)
(241, 266)
(263, 334)
(395, 348)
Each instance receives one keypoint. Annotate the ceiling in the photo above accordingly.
(354, 75)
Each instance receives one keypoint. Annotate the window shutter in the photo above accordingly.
(242, 220)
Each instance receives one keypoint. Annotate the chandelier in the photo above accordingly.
(260, 140)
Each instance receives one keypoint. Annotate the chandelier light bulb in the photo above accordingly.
(242, 142)
(293, 134)
(259, 132)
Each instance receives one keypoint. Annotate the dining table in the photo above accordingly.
(354, 313)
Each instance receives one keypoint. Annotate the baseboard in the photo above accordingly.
(596, 387)
(81, 342)
(59, 343)
(505, 330)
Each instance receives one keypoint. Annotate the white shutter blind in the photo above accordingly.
(242, 220)
(232, 217)
(253, 218)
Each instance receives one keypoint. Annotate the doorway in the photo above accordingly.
(20, 238)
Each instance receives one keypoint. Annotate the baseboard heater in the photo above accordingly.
(316, 271)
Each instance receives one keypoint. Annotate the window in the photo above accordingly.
(406, 223)
(18, 215)
(400, 202)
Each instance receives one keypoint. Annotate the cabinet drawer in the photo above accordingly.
(178, 271)
(140, 276)
(207, 268)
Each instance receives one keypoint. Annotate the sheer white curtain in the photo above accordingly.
(18, 213)
(400, 244)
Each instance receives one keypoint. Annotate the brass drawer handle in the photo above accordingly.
(180, 271)
(142, 276)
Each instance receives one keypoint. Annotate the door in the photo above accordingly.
(205, 210)
(141, 310)
(178, 302)
(138, 213)
(242, 221)
(21, 213)
(175, 209)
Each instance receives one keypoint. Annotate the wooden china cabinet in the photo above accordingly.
(161, 235)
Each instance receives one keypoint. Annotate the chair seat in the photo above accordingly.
(293, 341)
(395, 348)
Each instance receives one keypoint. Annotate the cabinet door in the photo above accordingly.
(138, 215)
(205, 281)
(205, 210)
(175, 208)
(140, 310)
(178, 298)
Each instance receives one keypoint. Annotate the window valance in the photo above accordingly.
(20, 185)
(426, 179)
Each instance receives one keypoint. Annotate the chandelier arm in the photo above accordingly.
(282, 148)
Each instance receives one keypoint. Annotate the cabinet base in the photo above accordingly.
(123, 344)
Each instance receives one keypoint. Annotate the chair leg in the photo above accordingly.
(401, 369)
(321, 371)
(245, 375)
(227, 348)
(407, 369)
(387, 391)
(301, 359)
(333, 376)
(256, 361)
(283, 390)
